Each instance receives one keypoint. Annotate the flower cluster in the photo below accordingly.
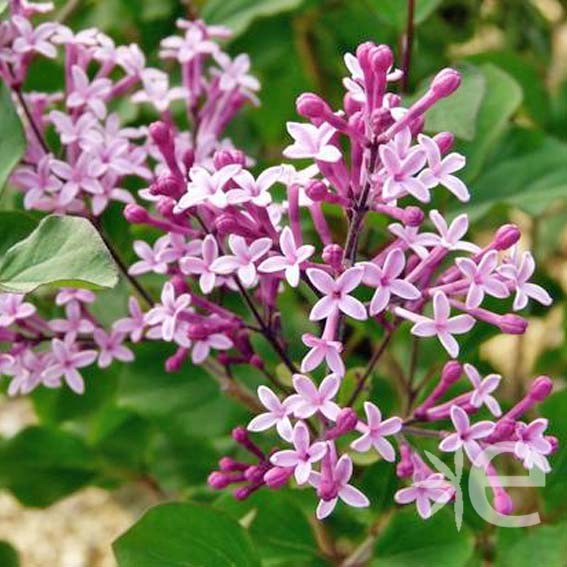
(226, 238)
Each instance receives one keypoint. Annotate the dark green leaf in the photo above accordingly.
(12, 137)
(188, 535)
(395, 12)
(8, 555)
(14, 226)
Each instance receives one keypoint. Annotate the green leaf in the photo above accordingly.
(541, 545)
(12, 136)
(14, 226)
(188, 535)
(239, 14)
(409, 541)
(395, 12)
(458, 113)
(61, 251)
(41, 465)
(8, 555)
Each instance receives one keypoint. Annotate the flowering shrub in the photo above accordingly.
(221, 246)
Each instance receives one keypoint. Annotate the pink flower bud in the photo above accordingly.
(506, 236)
(381, 59)
(413, 216)
(512, 324)
(218, 480)
(451, 372)
(160, 133)
(316, 190)
(446, 82)
(333, 255)
(255, 473)
(135, 214)
(165, 206)
(444, 141)
(416, 125)
(363, 52)
(188, 158)
(240, 435)
(350, 105)
(503, 503)
(381, 120)
(229, 464)
(553, 441)
(311, 106)
(540, 388)
(243, 492)
(345, 423)
(168, 185)
(222, 158)
(277, 477)
(256, 361)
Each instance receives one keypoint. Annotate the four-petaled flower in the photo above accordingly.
(310, 400)
(255, 191)
(89, 94)
(133, 325)
(483, 389)
(532, 447)
(424, 490)
(202, 347)
(399, 175)
(152, 258)
(278, 414)
(202, 266)
(75, 323)
(322, 349)
(450, 236)
(304, 454)
(167, 314)
(111, 347)
(291, 260)
(312, 142)
(13, 308)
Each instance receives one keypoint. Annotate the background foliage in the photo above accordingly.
(137, 424)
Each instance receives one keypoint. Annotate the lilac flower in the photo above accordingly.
(278, 414)
(336, 292)
(303, 456)
(156, 90)
(202, 266)
(310, 400)
(386, 281)
(255, 191)
(66, 360)
(312, 142)
(323, 349)
(234, 73)
(133, 325)
(292, 259)
(466, 435)
(374, 431)
(71, 131)
(399, 175)
(202, 347)
(442, 325)
(68, 295)
(350, 495)
(37, 182)
(151, 258)
(82, 175)
(32, 40)
(75, 324)
(413, 239)
(13, 308)
(110, 193)
(440, 170)
(206, 187)
(519, 270)
(425, 490)
(482, 278)
(167, 314)
(111, 347)
(89, 94)
(26, 371)
(186, 48)
(243, 259)
(532, 447)
(450, 236)
(483, 389)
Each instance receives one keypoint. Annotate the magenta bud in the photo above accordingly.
(512, 324)
(256, 361)
(392, 100)
(277, 477)
(363, 52)
(553, 441)
(503, 503)
(188, 158)
(160, 133)
(413, 216)
(316, 190)
(381, 59)
(540, 388)
(243, 492)
(135, 214)
(222, 158)
(350, 105)
(333, 255)
(174, 363)
(198, 332)
(218, 480)
(451, 372)
(503, 430)
(446, 82)
(165, 206)
(168, 185)
(346, 420)
(229, 464)
(254, 473)
(226, 224)
(381, 120)
(311, 106)
(240, 435)
(416, 126)
(506, 237)
(404, 469)
(444, 141)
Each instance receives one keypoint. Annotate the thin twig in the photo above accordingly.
(408, 45)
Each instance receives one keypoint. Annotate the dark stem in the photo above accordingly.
(408, 44)
(31, 121)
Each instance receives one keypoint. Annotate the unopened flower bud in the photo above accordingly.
(503, 503)
(446, 82)
(222, 158)
(311, 106)
(218, 480)
(512, 324)
(381, 120)
(413, 216)
(255, 473)
(243, 492)
(229, 464)
(506, 236)
(444, 141)
(345, 423)
(277, 477)
(540, 388)
(168, 185)
(316, 190)
(451, 372)
(553, 441)
(135, 214)
(416, 125)
(188, 158)
(381, 59)
(256, 361)
(350, 104)
(333, 255)
(160, 133)
(165, 206)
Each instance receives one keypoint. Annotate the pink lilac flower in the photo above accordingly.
(323, 349)
(450, 236)
(133, 325)
(186, 48)
(82, 175)
(399, 175)
(278, 414)
(350, 495)
(439, 171)
(234, 73)
(202, 347)
(424, 490)
(466, 436)
(202, 266)
(312, 142)
(151, 258)
(67, 295)
(255, 191)
(483, 388)
(482, 278)
(110, 193)
(303, 456)
(442, 325)
(111, 347)
(519, 270)
(13, 308)
(88, 94)
(167, 314)
(156, 90)
(336, 294)
(310, 400)
(386, 281)
(242, 261)
(33, 40)
(66, 360)
(37, 182)
(26, 371)
(413, 239)
(374, 431)
(74, 324)
(291, 260)
(532, 447)
(70, 130)
(206, 187)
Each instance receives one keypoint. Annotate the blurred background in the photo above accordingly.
(510, 118)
